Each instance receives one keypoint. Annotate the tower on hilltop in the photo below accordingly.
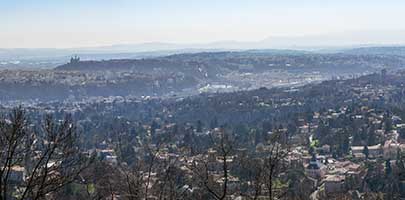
(74, 60)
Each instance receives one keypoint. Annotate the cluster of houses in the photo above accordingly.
(333, 176)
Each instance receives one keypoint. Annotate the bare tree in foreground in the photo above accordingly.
(274, 166)
(47, 159)
(202, 168)
(263, 171)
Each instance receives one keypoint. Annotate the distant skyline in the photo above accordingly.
(90, 23)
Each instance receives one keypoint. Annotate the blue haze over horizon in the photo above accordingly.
(81, 23)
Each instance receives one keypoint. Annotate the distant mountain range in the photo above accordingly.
(371, 42)
(161, 49)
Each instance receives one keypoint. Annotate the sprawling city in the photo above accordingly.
(93, 108)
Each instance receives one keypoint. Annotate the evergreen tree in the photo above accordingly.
(388, 168)
(199, 126)
(365, 151)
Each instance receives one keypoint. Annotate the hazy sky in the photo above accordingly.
(75, 23)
